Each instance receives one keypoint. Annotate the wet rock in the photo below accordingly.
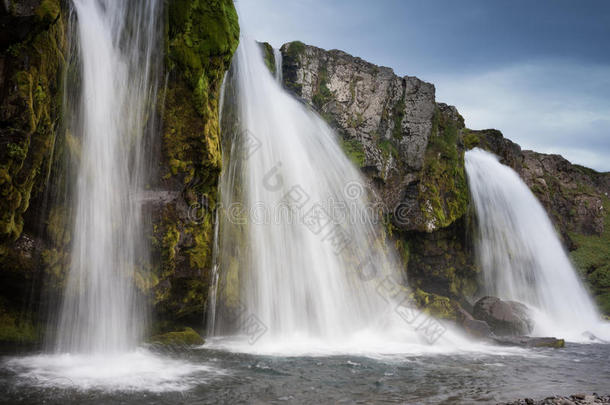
(477, 328)
(506, 318)
(528, 341)
(186, 337)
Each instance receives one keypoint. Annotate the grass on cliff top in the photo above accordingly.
(592, 258)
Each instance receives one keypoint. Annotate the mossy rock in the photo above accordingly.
(435, 305)
(592, 258)
(442, 188)
(16, 331)
(353, 150)
(268, 56)
(186, 337)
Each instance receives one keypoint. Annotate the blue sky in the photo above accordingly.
(538, 70)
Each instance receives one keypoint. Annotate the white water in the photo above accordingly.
(138, 370)
(101, 320)
(277, 55)
(100, 312)
(283, 283)
(521, 255)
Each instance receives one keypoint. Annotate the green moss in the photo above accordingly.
(48, 10)
(388, 149)
(592, 258)
(201, 37)
(322, 94)
(471, 140)
(31, 106)
(443, 188)
(268, 56)
(398, 112)
(186, 337)
(435, 305)
(354, 151)
(15, 331)
(295, 49)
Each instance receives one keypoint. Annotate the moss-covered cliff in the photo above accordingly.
(201, 37)
(32, 57)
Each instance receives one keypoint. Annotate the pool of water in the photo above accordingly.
(214, 375)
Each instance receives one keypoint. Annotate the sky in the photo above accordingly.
(538, 70)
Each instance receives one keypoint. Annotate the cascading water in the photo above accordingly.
(277, 55)
(117, 41)
(301, 255)
(520, 254)
(101, 318)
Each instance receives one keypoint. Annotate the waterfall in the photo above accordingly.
(520, 254)
(302, 251)
(277, 55)
(117, 47)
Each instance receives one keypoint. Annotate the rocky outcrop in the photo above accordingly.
(391, 127)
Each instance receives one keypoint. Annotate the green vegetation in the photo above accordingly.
(295, 49)
(201, 37)
(268, 56)
(398, 112)
(354, 151)
(16, 331)
(32, 105)
(471, 140)
(592, 257)
(388, 149)
(186, 337)
(435, 305)
(443, 188)
(322, 95)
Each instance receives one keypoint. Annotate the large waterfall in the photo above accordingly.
(521, 255)
(116, 46)
(302, 255)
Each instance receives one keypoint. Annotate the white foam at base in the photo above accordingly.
(140, 370)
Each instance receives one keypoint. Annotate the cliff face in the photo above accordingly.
(32, 57)
(391, 127)
(411, 147)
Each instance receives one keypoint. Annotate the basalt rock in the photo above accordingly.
(504, 317)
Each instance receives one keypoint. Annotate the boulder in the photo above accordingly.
(506, 318)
